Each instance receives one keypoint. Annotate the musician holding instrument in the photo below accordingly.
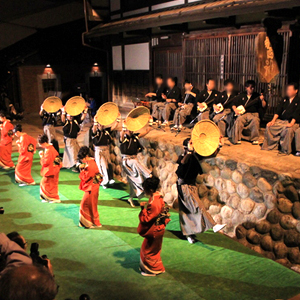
(247, 106)
(188, 106)
(158, 103)
(223, 106)
(281, 130)
(172, 98)
(206, 99)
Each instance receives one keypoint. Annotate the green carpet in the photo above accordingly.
(104, 263)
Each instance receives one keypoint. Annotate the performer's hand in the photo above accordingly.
(41, 154)
(237, 112)
(289, 125)
(168, 100)
(147, 95)
(180, 104)
(81, 166)
(142, 204)
(188, 92)
(270, 124)
(262, 97)
(190, 146)
(164, 96)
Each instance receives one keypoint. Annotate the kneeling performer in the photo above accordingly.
(281, 130)
(193, 216)
(135, 171)
(51, 165)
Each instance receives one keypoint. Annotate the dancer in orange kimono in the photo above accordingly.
(153, 221)
(51, 164)
(6, 142)
(27, 147)
(90, 183)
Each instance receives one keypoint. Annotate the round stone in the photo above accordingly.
(220, 184)
(259, 210)
(226, 173)
(245, 243)
(174, 157)
(267, 243)
(280, 250)
(202, 190)
(206, 203)
(220, 162)
(201, 178)
(179, 150)
(171, 147)
(237, 177)
(153, 161)
(263, 226)
(162, 163)
(285, 205)
(264, 185)
(288, 222)
(214, 209)
(276, 232)
(231, 164)
(234, 201)
(249, 180)
(278, 187)
(270, 200)
(224, 196)
(242, 190)
(170, 167)
(213, 194)
(253, 237)
(117, 150)
(294, 255)
(286, 179)
(270, 176)
(218, 219)
(226, 212)
(255, 171)
(209, 181)
(230, 186)
(291, 193)
(246, 205)
(256, 195)
(211, 161)
(296, 210)
(284, 261)
(292, 238)
(215, 172)
(250, 221)
(206, 167)
(240, 232)
(243, 168)
(274, 216)
(162, 146)
(269, 255)
(159, 154)
(237, 217)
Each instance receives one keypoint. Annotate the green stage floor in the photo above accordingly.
(104, 263)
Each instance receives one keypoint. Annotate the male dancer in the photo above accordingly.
(188, 106)
(102, 139)
(193, 216)
(156, 96)
(71, 130)
(134, 170)
(27, 148)
(6, 128)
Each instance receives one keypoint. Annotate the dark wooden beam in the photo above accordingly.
(284, 13)
(143, 32)
(175, 27)
(230, 21)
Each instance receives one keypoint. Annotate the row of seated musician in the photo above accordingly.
(232, 111)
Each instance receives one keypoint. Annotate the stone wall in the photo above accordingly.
(260, 207)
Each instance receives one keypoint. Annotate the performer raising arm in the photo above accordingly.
(90, 183)
(6, 143)
(27, 148)
(193, 216)
(51, 164)
(153, 221)
(71, 130)
(134, 170)
(281, 130)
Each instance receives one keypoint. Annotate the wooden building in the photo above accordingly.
(195, 40)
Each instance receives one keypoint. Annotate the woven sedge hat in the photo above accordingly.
(107, 113)
(52, 104)
(205, 137)
(137, 118)
(75, 106)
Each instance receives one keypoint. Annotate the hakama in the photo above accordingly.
(102, 158)
(152, 228)
(70, 153)
(27, 148)
(50, 131)
(136, 173)
(88, 214)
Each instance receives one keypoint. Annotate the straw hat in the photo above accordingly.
(52, 104)
(75, 106)
(205, 137)
(137, 118)
(107, 113)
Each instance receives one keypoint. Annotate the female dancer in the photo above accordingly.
(51, 165)
(27, 147)
(153, 221)
(90, 183)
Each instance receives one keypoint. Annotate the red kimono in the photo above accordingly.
(27, 147)
(50, 173)
(6, 145)
(153, 232)
(88, 214)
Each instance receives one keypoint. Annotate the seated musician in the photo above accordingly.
(223, 106)
(252, 102)
(281, 130)
(188, 106)
(172, 97)
(206, 99)
(158, 102)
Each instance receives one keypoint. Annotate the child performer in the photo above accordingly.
(51, 164)
(27, 148)
(90, 183)
(153, 221)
